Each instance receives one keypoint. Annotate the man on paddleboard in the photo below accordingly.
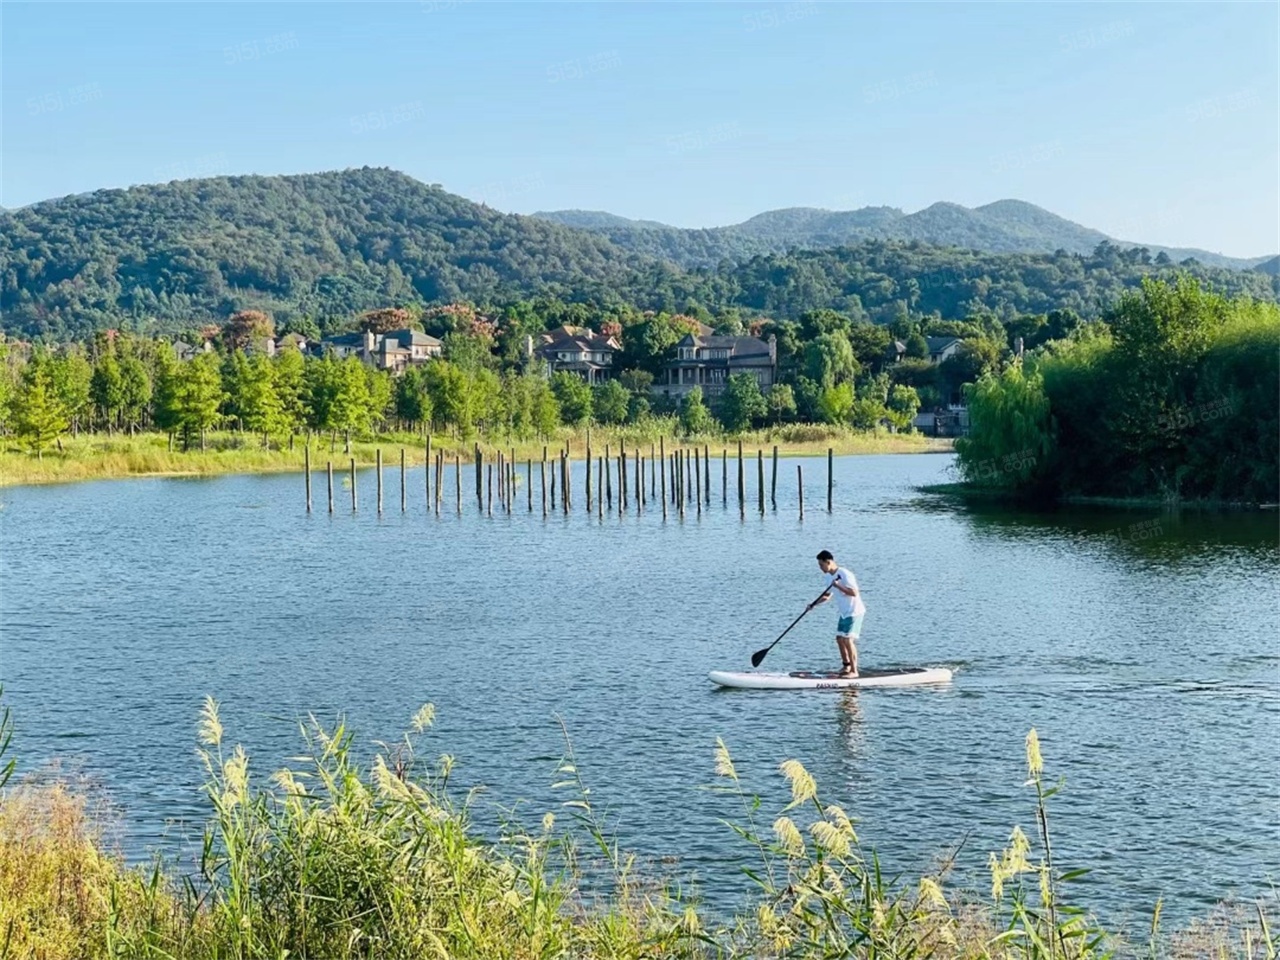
(849, 608)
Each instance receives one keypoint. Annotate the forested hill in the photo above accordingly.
(320, 244)
(1006, 226)
(165, 258)
(881, 280)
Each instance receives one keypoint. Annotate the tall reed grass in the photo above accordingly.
(324, 859)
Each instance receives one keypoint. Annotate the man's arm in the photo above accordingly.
(847, 591)
(821, 600)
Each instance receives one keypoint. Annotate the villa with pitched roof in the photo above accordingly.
(577, 350)
(707, 361)
(392, 351)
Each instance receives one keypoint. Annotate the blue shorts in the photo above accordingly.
(849, 627)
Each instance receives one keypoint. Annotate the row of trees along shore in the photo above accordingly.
(832, 369)
(1171, 394)
(1174, 395)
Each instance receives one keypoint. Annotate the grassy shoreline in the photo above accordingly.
(99, 457)
(971, 493)
(329, 859)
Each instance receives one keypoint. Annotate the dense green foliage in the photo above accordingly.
(884, 281)
(316, 249)
(1173, 396)
(163, 257)
(1006, 226)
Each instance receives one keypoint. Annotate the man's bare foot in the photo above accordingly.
(848, 671)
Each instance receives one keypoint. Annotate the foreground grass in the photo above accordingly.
(331, 861)
(98, 457)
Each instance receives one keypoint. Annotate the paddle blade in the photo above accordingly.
(757, 658)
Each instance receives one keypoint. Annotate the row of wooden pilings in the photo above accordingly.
(679, 480)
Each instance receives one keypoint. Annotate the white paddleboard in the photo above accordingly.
(808, 680)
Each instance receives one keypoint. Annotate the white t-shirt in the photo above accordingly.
(847, 606)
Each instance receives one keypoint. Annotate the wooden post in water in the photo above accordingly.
(566, 484)
(830, 463)
(542, 484)
(773, 483)
(479, 478)
(800, 489)
(553, 487)
(378, 452)
(306, 468)
(439, 481)
(653, 476)
(677, 478)
(600, 484)
(355, 503)
(760, 478)
(686, 475)
(329, 471)
(693, 481)
(501, 475)
(590, 461)
(403, 502)
(706, 470)
(697, 480)
(742, 485)
(694, 490)
(622, 479)
(662, 469)
(457, 480)
(608, 479)
(639, 482)
(528, 481)
(489, 477)
(427, 466)
(724, 477)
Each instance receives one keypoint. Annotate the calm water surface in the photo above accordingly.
(1143, 647)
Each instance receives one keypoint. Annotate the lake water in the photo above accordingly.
(1142, 646)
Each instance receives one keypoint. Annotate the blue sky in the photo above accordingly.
(1151, 122)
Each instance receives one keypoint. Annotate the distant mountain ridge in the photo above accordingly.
(1005, 226)
(323, 247)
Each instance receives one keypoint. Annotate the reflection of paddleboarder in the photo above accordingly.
(849, 608)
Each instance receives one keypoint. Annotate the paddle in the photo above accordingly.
(757, 658)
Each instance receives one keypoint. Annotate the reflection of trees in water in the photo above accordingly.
(1168, 537)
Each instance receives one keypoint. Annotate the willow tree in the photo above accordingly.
(1011, 436)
